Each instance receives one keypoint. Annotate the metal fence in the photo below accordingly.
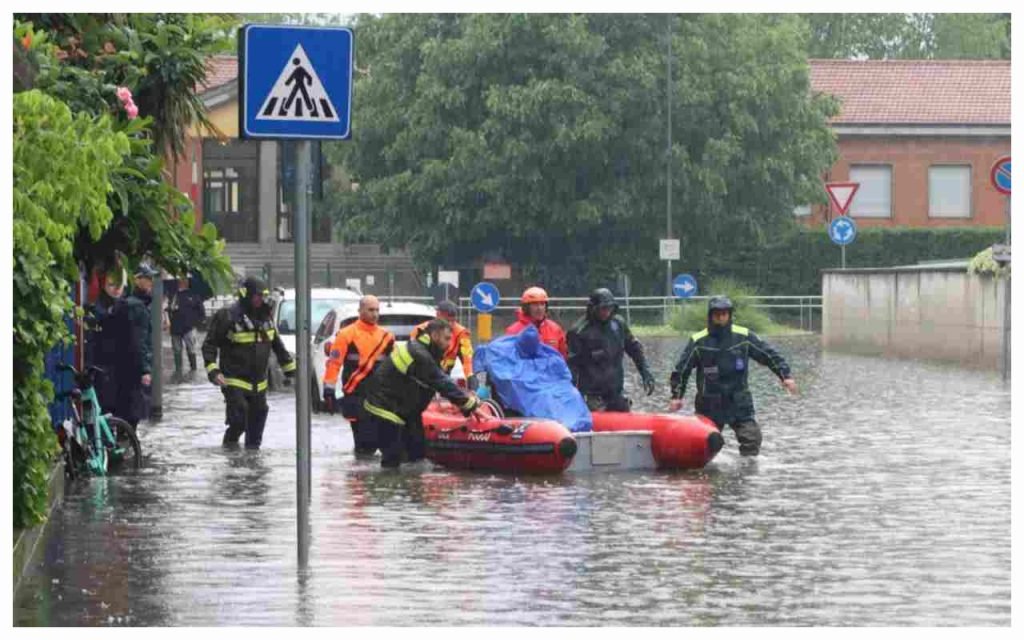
(803, 312)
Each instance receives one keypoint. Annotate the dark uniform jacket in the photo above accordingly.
(405, 383)
(243, 345)
(596, 352)
(185, 309)
(721, 358)
(121, 337)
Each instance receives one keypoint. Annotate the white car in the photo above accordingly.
(400, 318)
(321, 301)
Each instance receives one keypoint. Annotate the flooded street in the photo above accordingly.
(882, 497)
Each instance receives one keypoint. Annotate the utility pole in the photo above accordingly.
(668, 155)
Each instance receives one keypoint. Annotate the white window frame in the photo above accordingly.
(859, 196)
(969, 213)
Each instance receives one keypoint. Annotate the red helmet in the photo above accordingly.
(534, 294)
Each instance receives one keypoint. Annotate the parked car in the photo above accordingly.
(321, 301)
(400, 318)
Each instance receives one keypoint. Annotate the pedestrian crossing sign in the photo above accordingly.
(295, 82)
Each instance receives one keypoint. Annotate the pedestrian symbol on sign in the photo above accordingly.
(298, 94)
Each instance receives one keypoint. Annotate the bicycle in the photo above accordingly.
(92, 441)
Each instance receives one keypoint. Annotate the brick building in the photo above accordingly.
(920, 137)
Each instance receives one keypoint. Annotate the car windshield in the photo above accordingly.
(319, 308)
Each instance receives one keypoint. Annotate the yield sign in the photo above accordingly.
(841, 194)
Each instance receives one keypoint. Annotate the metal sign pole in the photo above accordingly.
(1006, 305)
(302, 304)
(842, 251)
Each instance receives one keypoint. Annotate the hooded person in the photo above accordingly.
(720, 353)
(597, 344)
(237, 353)
(121, 346)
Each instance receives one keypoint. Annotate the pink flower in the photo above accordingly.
(124, 94)
(131, 110)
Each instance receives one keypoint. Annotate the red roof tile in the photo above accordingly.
(916, 91)
(220, 70)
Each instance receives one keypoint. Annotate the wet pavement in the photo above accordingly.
(882, 497)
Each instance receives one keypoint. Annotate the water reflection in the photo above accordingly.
(881, 497)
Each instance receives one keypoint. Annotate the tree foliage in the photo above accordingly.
(89, 188)
(62, 169)
(542, 138)
(82, 59)
(909, 35)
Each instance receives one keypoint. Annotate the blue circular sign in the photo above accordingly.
(842, 230)
(485, 297)
(684, 286)
(1001, 175)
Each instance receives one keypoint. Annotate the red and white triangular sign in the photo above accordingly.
(841, 194)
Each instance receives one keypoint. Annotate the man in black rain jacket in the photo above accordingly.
(721, 354)
(403, 385)
(242, 335)
(597, 344)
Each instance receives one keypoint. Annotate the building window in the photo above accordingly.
(874, 196)
(949, 191)
(802, 211)
(220, 191)
(231, 188)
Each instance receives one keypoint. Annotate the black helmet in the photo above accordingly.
(720, 303)
(447, 307)
(602, 298)
(252, 286)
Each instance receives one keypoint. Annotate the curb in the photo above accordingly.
(27, 541)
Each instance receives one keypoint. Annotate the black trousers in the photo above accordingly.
(123, 396)
(607, 402)
(398, 443)
(748, 434)
(246, 414)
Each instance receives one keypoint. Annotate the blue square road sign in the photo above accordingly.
(295, 82)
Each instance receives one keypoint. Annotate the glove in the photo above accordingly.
(288, 377)
(212, 375)
(472, 383)
(329, 400)
(648, 381)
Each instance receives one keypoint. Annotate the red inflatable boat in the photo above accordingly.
(515, 445)
(677, 441)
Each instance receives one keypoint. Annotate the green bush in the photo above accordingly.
(62, 168)
(693, 316)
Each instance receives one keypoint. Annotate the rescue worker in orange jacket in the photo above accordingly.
(460, 348)
(534, 310)
(355, 352)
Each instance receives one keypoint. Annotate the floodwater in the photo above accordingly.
(882, 497)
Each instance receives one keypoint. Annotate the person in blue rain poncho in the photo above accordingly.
(532, 379)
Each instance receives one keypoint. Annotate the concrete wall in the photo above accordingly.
(940, 314)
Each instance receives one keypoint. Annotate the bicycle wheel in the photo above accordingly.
(127, 452)
(74, 459)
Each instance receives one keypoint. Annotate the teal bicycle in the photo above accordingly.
(93, 442)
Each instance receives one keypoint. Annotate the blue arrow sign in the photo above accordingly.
(485, 297)
(684, 286)
(295, 82)
(842, 230)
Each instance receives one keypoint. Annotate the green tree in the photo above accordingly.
(542, 137)
(909, 35)
(89, 188)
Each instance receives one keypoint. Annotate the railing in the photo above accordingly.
(805, 305)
